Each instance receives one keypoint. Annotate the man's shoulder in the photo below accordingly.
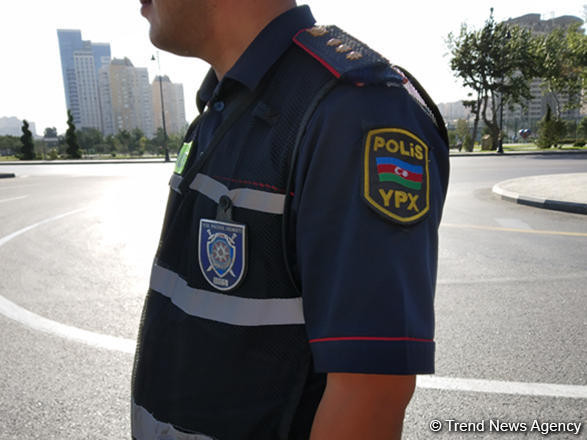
(345, 57)
(356, 65)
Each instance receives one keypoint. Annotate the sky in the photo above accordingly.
(411, 34)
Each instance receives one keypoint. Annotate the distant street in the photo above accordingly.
(76, 244)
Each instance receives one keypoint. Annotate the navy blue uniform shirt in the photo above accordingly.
(367, 282)
(230, 347)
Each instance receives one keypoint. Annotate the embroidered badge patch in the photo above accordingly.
(396, 182)
(222, 253)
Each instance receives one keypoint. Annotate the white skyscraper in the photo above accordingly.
(126, 97)
(87, 90)
(173, 102)
(81, 61)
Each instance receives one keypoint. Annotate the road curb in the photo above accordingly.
(538, 202)
(517, 153)
(83, 162)
(6, 175)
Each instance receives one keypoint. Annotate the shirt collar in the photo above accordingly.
(269, 45)
(262, 53)
(206, 91)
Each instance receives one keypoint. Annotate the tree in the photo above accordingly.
(550, 130)
(50, 132)
(111, 143)
(174, 143)
(122, 141)
(9, 145)
(73, 150)
(134, 145)
(497, 63)
(158, 141)
(89, 137)
(475, 106)
(464, 135)
(582, 130)
(562, 61)
(27, 151)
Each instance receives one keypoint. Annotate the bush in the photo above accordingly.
(27, 151)
(550, 130)
(579, 143)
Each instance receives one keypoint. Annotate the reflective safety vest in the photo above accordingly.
(222, 349)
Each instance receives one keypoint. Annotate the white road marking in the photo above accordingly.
(17, 313)
(503, 387)
(34, 321)
(528, 279)
(515, 230)
(13, 198)
(9, 237)
(513, 223)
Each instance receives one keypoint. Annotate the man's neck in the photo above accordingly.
(236, 29)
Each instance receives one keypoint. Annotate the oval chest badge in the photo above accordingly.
(222, 253)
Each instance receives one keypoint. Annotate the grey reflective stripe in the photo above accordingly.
(146, 427)
(175, 181)
(225, 308)
(254, 199)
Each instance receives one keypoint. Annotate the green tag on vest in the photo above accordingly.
(182, 157)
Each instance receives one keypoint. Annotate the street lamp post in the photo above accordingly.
(500, 137)
(162, 108)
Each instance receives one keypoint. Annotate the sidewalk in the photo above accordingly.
(560, 192)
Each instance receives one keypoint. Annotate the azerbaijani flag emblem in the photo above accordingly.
(395, 170)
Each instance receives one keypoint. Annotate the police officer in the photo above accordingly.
(292, 292)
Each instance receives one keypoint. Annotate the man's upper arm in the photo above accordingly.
(368, 277)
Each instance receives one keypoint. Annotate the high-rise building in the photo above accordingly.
(535, 108)
(452, 111)
(173, 103)
(87, 90)
(535, 23)
(126, 97)
(12, 126)
(81, 61)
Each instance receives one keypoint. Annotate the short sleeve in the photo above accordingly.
(367, 278)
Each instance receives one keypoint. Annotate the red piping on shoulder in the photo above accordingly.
(320, 60)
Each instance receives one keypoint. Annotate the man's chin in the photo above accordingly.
(168, 46)
(156, 39)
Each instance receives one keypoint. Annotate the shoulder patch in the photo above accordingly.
(346, 57)
(396, 180)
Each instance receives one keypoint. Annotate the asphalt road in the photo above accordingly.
(511, 301)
